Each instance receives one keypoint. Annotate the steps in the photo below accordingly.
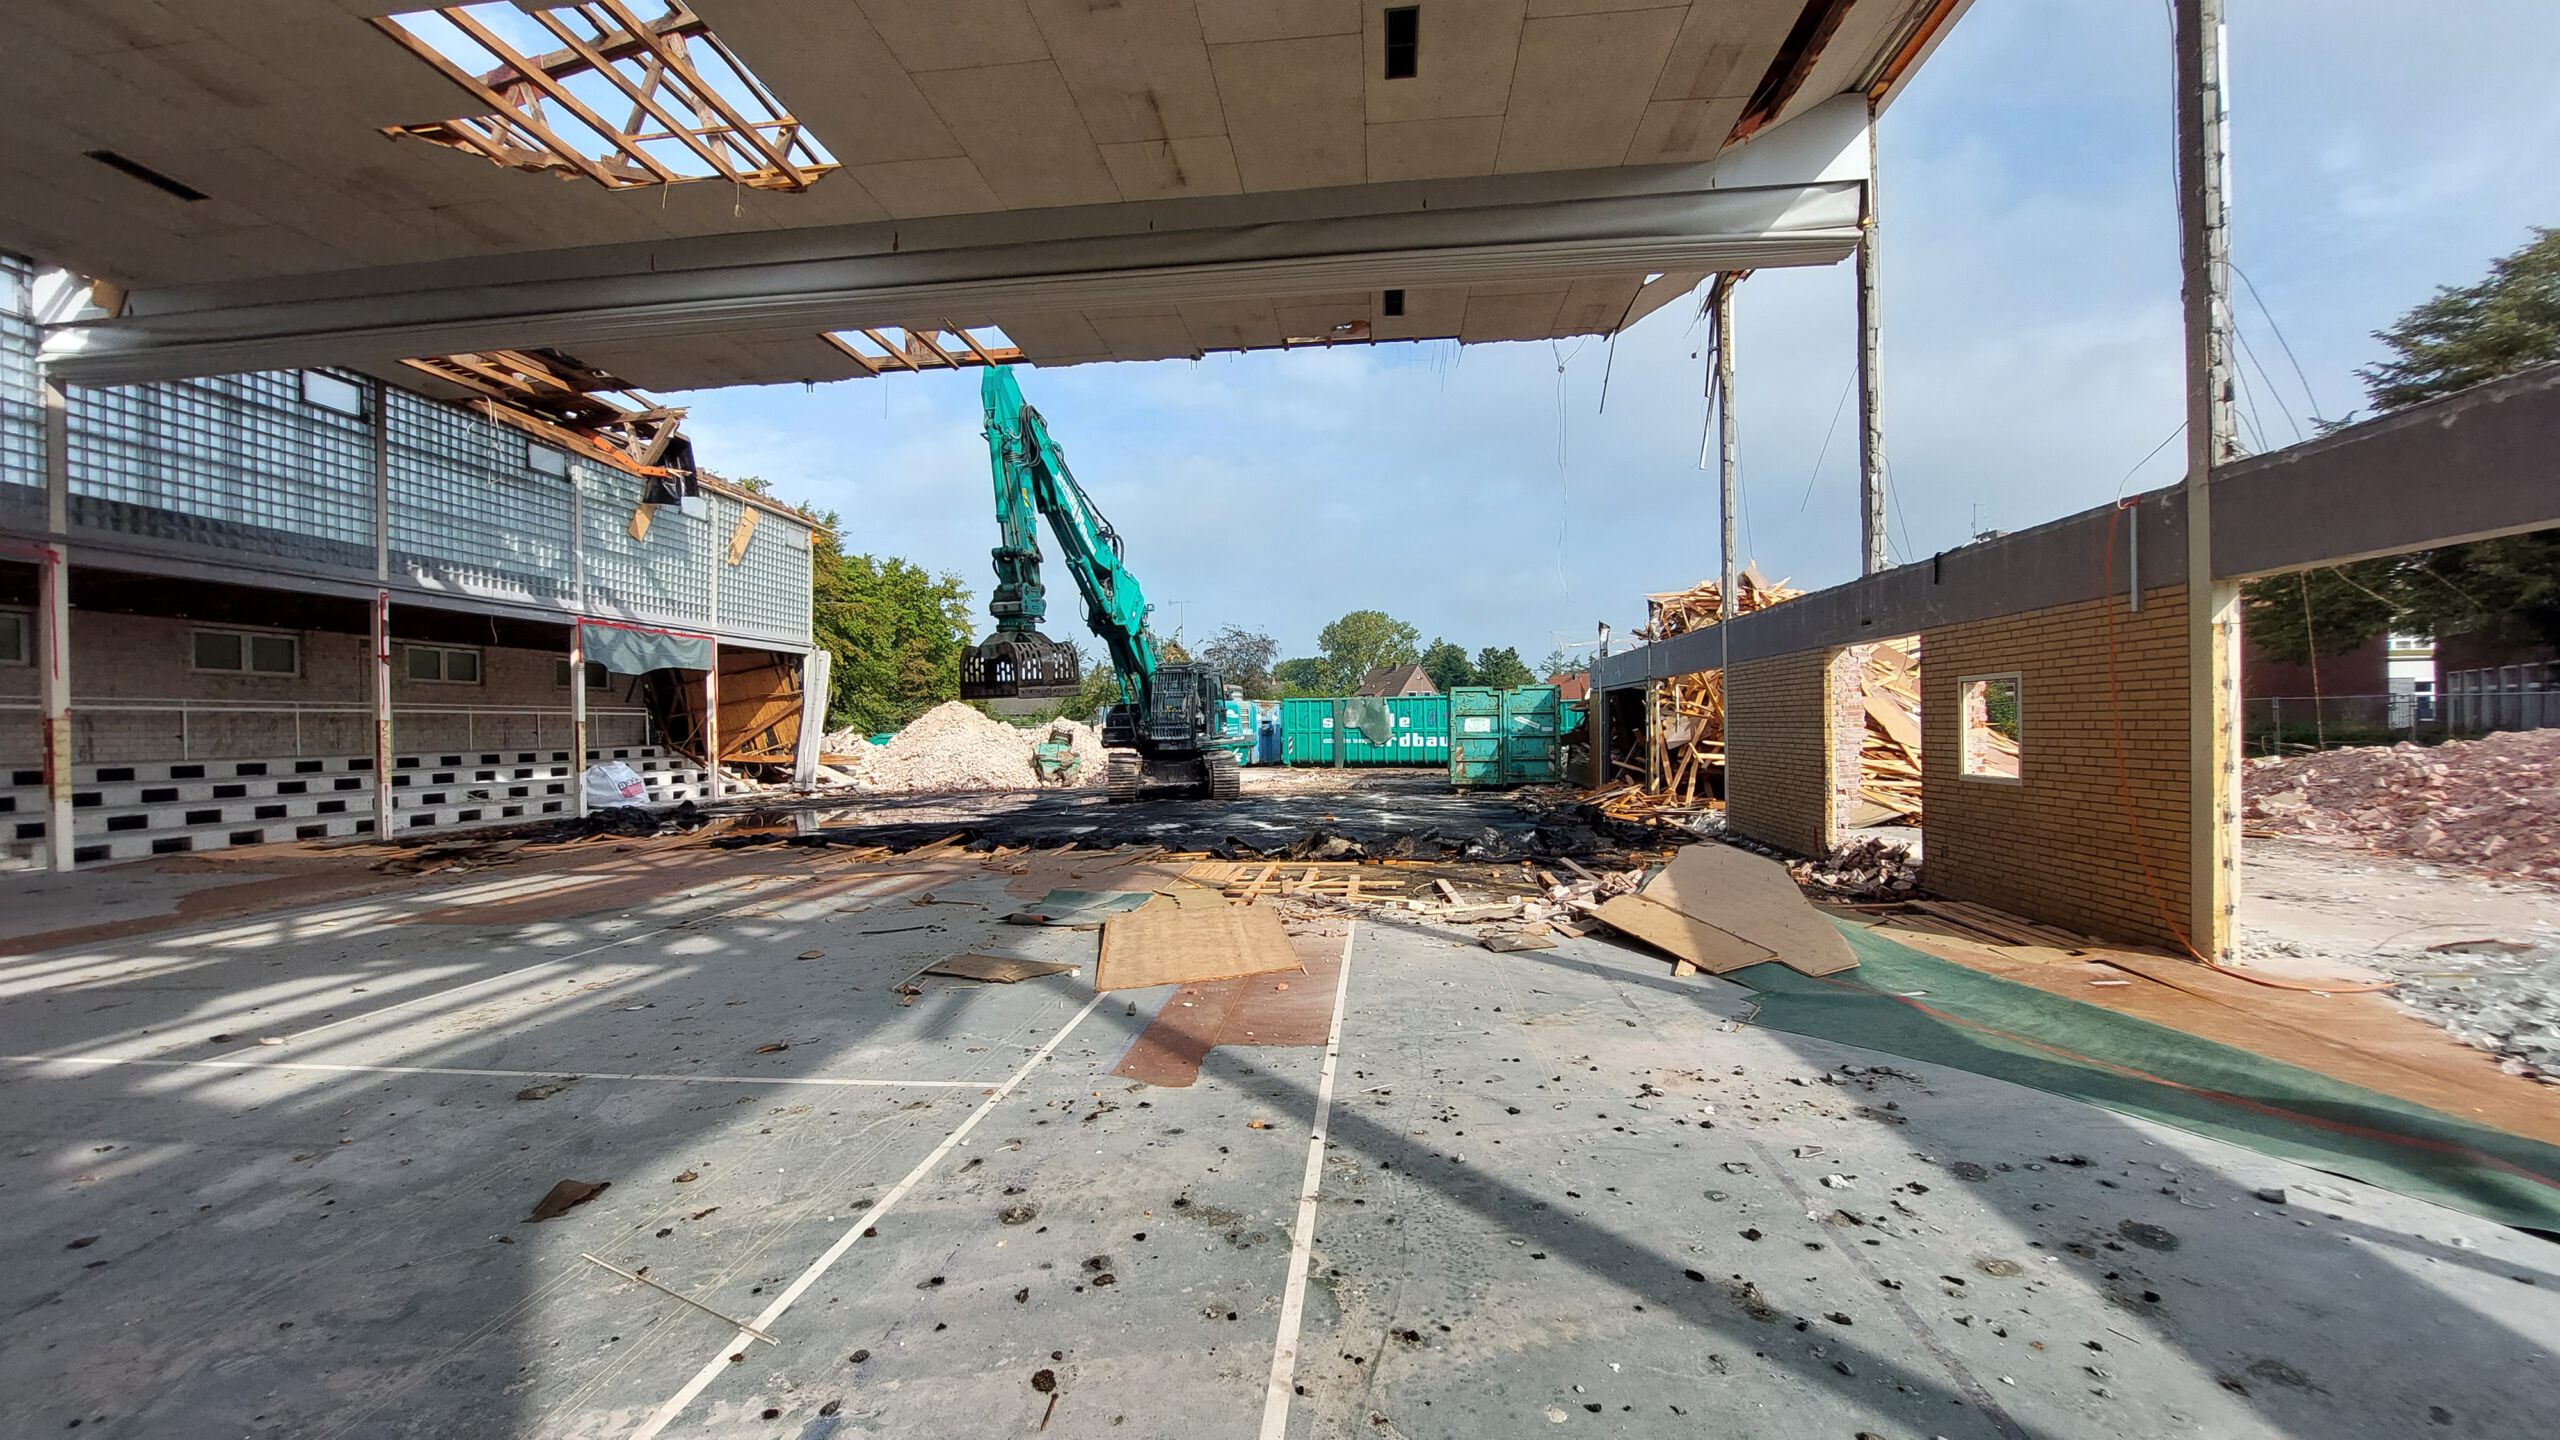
(175, 807)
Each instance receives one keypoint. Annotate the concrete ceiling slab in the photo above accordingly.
(957, 34)
(1235, 22)
(1434, 149)
(1510, 317)
(1232, 324)
(911, 188)
(953, 120)
(1466, 65)
(1293, 111)
(1581, 88)
(1022, 130)
(1162, 169)
(1139, 68)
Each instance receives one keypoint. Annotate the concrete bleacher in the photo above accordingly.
(175, 807)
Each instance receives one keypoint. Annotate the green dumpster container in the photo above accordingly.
(1505, 737)
(1365, 730)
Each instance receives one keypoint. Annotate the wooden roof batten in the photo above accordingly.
(649, 63)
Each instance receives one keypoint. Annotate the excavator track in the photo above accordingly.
(1125, 777)
(1222, 778)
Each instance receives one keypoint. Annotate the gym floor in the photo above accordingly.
(276, 1127)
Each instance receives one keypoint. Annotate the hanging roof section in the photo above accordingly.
(288, 155)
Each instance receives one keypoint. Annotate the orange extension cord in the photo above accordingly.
(2133, 821)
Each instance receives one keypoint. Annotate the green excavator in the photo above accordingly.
(1164, 733)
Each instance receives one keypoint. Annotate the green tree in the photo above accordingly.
(1502, 669)
(1447, 665)
(2506, 590)
(1361, 642)
(1561, 662)
(1304, 676)
(1243, 659)
(895, 633)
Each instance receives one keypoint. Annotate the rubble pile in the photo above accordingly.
(955, 747)
(1874, 868)
(2490, 805)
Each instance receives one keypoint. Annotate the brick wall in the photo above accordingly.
(2056, 845)
(1777, 787)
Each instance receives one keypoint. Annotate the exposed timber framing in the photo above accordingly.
(944, 347)
(683, 123)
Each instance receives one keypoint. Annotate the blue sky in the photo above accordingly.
(2030, 332)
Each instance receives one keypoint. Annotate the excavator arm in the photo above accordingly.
(1031, 473)
(1165, 733)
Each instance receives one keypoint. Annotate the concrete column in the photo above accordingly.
(2213, 608)
(711, 725)
(1728, 464)
(53, 652)
(578, 717)
(1871, 496)
(385, 807)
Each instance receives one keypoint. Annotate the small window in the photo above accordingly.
(14, 649)
(1391, 303)
(1404, 39)
(444, 665)
(247, 652)
(331, 392)
(1993, 727)
(547, 461)
(598, 678)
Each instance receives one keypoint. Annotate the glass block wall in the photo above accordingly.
(767, 592)
(665, 575)
(470, 511)
(21, 398)
(243, 463)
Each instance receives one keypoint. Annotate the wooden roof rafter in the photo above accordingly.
(912, 350)
(547, 111)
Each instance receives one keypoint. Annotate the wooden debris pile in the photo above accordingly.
(1684, 774)
(1873, 868)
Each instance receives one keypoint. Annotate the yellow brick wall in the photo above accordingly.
(2057, 845)
(1777, 786)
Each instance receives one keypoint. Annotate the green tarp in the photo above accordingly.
(1906, 1003)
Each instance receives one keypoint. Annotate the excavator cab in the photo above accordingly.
(1170, 743)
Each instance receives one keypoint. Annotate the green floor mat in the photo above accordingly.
(1918, 1006)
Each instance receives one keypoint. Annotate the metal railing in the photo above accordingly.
(343, 728)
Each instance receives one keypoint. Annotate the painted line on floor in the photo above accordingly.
(325, 1067)
(1302, 1238)
(719, 1362)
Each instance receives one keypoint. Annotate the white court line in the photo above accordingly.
(1293, 1299)
(719, 1362)
(821, 1080)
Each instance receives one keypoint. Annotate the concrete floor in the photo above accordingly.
(1559, 1192)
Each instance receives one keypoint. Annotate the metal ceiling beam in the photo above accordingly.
(1788, 198)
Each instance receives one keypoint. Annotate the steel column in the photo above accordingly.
(711, 725)
(385, 807)
(1871, 492)
(2213, 608)
(578, 715)
(1728, 442)
(53, 649)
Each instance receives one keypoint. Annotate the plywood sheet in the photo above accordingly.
(1168, 943)
(1680, 936)
(1750, 896)
(995, 969)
